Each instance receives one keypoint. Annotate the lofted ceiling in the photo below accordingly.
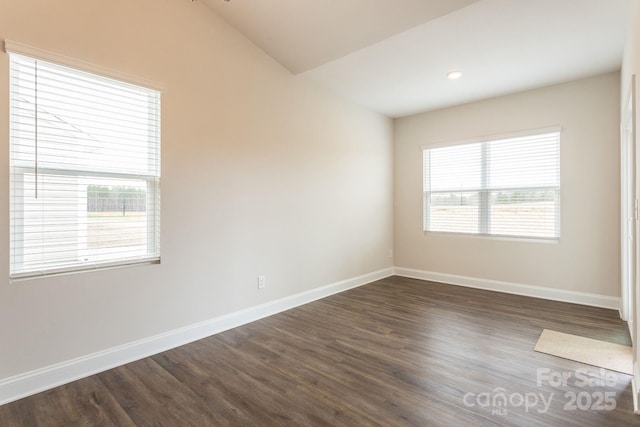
(392, 56)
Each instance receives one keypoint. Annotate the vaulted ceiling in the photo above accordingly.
(392, 56)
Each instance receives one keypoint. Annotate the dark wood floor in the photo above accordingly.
(395, 352)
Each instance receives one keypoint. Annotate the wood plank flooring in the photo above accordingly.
(397, 352)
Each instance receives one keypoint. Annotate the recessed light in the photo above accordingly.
(453, 75)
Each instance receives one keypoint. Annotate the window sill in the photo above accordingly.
(544, 240)
(21, 277)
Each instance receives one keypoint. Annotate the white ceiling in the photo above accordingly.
(392, 56)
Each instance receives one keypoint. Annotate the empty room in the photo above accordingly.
(313, 213)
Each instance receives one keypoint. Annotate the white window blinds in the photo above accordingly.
(506, 187)
(85, 170)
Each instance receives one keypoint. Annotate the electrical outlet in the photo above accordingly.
(390, 253)
(262, 282)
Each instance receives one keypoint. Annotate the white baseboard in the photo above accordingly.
(33, 382)
(582, 298)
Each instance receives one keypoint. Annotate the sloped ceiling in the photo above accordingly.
(392, 56)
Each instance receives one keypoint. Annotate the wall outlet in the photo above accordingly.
(390, 253)
(262, 282)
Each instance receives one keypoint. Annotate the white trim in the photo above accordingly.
(45, 55)
(33, 382)
(39, 380)
(574, 297)
(628, 200)
(92, 266)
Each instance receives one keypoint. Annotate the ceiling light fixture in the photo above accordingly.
(454, 75)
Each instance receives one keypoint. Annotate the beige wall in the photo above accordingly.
(587, 257)
(261, 174)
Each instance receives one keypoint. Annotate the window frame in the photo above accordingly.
(20, 169)
(484, 191)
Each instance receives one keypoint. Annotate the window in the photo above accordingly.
(84, 169)
(507, 186)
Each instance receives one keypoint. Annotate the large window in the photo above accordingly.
(85, 169)
(508, 186)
